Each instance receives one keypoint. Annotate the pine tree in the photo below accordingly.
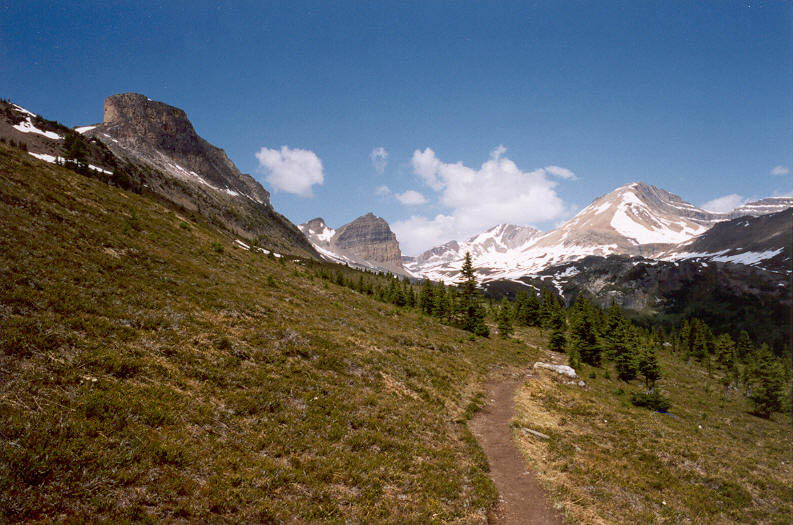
(744, 347)
(649, 366)
(505, 319)
(583, 337)
(699, 342)
(472, 314)
(440, 304)
(766, 383)
(426, 297)
(557, 340)
(624, 346)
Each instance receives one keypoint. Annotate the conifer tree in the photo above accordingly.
(557, 340)
(426, 297)
(472, 314)
(766, 383)
(624, 346)
(744, 347)
(505, 319)
(440, 303)
(649, 366)
(583, 337)
(699, 343)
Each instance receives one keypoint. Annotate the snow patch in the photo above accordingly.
(84, 129)
(26, 126)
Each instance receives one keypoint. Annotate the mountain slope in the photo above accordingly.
(765, 241)
(366, 243)
(149, 371)
(176, 163)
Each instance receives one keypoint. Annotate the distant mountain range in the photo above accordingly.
(635, 220)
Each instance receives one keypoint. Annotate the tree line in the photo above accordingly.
(589, 334)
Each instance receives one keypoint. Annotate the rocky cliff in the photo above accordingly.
(367, 242)
(175, 162)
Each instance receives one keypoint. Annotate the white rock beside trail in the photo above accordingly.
(559, 369)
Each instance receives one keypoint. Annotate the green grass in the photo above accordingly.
(710, 461)
(146, 374)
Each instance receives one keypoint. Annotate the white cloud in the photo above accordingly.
(291, 170)
(563, 173)
(426, 166)
(411, 198)
(497, 192)
(724, 203)
(779, 170)
(379, 158)
(382, 191)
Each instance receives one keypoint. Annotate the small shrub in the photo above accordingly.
(216, 247)
(651, 401)
(183, 225)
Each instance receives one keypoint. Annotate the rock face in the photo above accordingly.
(163, 135)
(367, 242)
(176, 163)
(370, 238)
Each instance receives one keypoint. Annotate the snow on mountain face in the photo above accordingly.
(494, 248)
(764, 241)
(317, 232)
(635, 219)
(762, 207)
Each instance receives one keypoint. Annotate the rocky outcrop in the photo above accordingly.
(370, 238)
(162, 134)
(176, 163)
(367, 242)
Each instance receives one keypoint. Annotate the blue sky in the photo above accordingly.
(694, 97)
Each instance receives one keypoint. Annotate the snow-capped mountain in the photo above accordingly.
(494, 247)
(367, 243)
(636, 220)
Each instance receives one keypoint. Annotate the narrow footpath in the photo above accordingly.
(521, 499)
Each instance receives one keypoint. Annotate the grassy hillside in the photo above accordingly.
(607, 461)
(150, 370)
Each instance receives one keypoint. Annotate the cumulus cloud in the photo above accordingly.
(779, 170)
(497, 192)
(411, 198)
(724, 203)
(563, 173)
(382, 191)
(291, 170)
(379, 158)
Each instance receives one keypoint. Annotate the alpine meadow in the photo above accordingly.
(476, 263)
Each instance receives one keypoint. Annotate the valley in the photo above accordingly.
(174, 349)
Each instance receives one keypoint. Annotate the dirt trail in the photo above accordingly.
(521, 499)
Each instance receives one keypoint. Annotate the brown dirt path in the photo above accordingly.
(521, 499)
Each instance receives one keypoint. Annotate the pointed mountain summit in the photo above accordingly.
(367, 242)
